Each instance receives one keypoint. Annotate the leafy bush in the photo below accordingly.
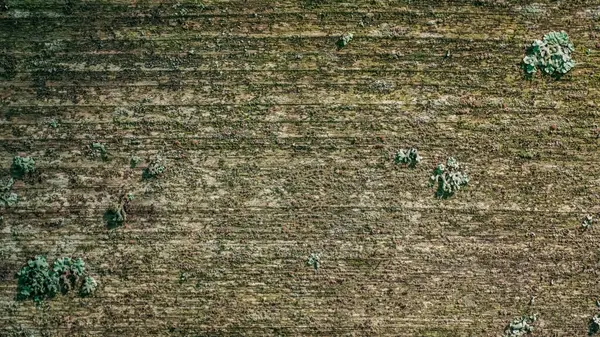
(449, 178)
(155, 168)
(344, 40)
(314, 260)
(6, 197)
(22, 166)
(37, 281)
(552, 55)
(520, 326)
(69, 272)
(88, 287)
(410, 157)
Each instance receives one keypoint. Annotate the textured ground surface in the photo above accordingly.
(277, 145)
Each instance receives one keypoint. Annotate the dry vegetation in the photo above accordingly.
(252, 141)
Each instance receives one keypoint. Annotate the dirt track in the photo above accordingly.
(277, 145)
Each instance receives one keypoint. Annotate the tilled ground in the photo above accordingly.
(278, 145)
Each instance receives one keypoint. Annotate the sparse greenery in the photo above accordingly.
(98, 150)
(6, 196)
(22, 166)
(116, 215)
(134, 161)
(594, 325)
(314, 260)
(344, 40)
(37, 281)
(552, 55)
(587, 222)
(520, 326)
(409, 157)
(154, 169)
(449, 178)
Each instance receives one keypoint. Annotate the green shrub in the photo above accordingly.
(69, 272)
(154, 169)
(115, 216)
(37, 281)
(6, 196)
(314, 260)
(88, 287)
(134, 161)
(520, 326)
(552, 55)
(410, 157)
(344, 40)
(22, 166)
(588, 220)
(98, 150)
(449, 178)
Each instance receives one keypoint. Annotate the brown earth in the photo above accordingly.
(278, 145)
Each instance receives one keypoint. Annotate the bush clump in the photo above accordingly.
(7, 198)
(409, 157)
(520, 326)
(116, 215)
(22, 166)
(587, 222)
(37, 281)
(594, 325)
(552, 55)
(344, 40)
(154, 169)
(449, 178)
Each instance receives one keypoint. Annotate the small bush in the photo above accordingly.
(552, 55)
(115, 216)
(594, 325)
(154, 169)
(587, 222)
(88, 287)
(97, 150)
(409, 157)
(22, 166)
(134, 161)
(314, 260)
(7, 198)
(37, 281)
(344, 40)
(449, 178)
(69, 272)
(520, 326)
